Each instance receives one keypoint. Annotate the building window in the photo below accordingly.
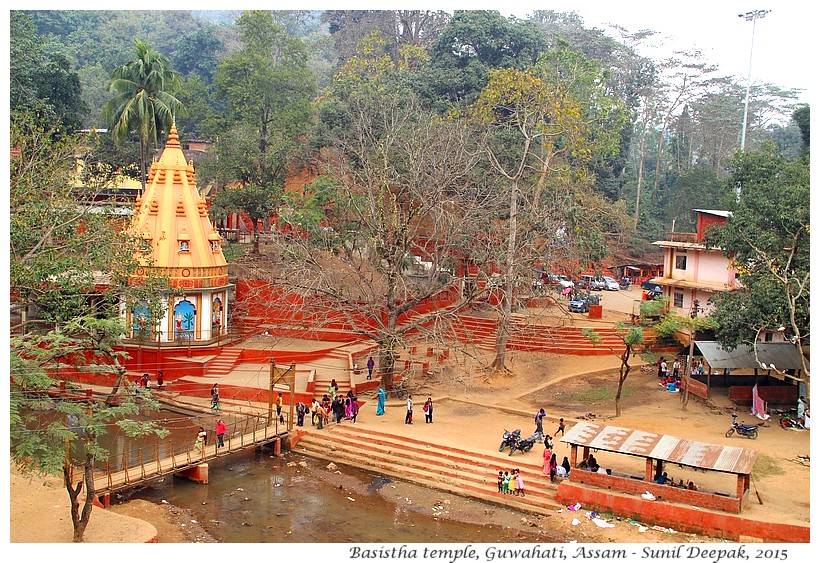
(680, 262)
(183, 246)
(679, 298)
(214, 246)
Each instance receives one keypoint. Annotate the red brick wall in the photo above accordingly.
(775, 394)
(675, 494)
(679, 517)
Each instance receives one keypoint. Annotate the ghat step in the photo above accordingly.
(438, 466)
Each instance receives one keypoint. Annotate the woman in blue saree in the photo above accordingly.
(380, 404)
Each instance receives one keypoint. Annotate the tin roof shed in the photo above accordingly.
(702, 455)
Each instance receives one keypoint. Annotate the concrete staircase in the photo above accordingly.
(481, 332)
(431, 465)
(224, 362)
(340, 373)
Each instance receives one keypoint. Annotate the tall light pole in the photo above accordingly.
(752, 16)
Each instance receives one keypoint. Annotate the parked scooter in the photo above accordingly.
(526, 444)
(508, 439)
(748, 430)
(625, 283)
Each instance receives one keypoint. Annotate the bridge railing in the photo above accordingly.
(140, 462)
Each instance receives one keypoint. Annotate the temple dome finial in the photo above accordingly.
(173, 137)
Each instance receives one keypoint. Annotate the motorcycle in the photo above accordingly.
(625, 283)
(526, 444)
(509, 438)
(748, 430)
(789, 420)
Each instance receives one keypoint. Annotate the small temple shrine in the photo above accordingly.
(179, 243)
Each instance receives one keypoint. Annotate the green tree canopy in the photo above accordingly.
(767, 238)
(268, 88)
(42, 84)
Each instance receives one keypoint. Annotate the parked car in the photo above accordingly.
(653, 287)
(610, 284)
(591, 282)
(581, 302)
(564, 281)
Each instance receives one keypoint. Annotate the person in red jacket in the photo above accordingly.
(221, 428)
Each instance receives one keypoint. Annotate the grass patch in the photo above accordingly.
(767, 466)
(597, 395)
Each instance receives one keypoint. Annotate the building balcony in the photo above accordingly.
(681, 237)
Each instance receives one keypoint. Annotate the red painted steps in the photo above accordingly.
(224, 362)
(454, 470)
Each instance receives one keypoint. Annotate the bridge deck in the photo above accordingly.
(146, 469)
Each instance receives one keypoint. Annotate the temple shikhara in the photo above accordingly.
(179, 243)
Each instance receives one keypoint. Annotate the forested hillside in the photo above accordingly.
(665, 128)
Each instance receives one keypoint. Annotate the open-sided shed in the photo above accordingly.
(774, 357)
(658, 449)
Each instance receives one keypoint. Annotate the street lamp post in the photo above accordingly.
(752, 16)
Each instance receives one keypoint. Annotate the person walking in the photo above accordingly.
(314, 408)
(349, 405)
(354, 408)
(220, 430)
(553, 468)
(215, 398)
(300, 413)
(338, 408)
(321, 412)
(428, 410)
(539, 421)
(408, 418)
(381, 401)
(370, 365)
(561, 427)
(279, 402)
(214, 392)
(201, 440)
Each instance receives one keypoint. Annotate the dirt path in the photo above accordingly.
(472, 410)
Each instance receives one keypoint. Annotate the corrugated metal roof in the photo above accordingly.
(661, 446)
(782, 354)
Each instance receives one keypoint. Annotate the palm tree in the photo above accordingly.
(143, 100)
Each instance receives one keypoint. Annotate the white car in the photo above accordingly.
(610, 284)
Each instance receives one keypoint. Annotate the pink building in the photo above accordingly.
(692, 273)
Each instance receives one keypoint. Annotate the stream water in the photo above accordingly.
(253, 498)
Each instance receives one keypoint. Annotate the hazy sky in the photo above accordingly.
(784, 40)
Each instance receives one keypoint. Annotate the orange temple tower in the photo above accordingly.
(180, 244)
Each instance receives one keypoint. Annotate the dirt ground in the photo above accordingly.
(472, 410)
(568, 387)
